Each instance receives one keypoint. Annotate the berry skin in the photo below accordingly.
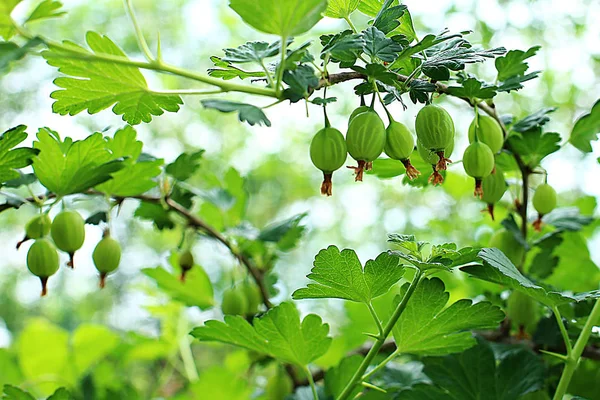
(432, 158)
(493, 186)
(523, 313)
(544, 201)
(365, 140)
(488, 132)
(435, 131)
(106, 257)
(253, 297)
(399, 145)
(478, 161)
(68, 232)
(358, 110)
(328, 153)
(234, 302)
(42, 261)
(506, 242)
(279, 386)
(36, 228)
(186, 263)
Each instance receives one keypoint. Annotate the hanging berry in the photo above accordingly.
(106, 257)
(544, 201)
(506, 242)
(487, 130)
(68, 232)
(435, 131)
(523, 312)
(493, 186)
(36, 228)
(399, 145)
(358, 110)
(42, 261)
(365, 141)
(186, 263)
(432, 158)
(478, 161)
(279, 386)
(328, 153)
(234, 302)
(253, 297)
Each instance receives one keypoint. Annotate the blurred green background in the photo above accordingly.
(130, 340)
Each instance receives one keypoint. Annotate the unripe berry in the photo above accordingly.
(494, 186)
(186, 263)
(478, 161)
(523, 313)
(234, 302)
(399, 145)
(506, 242)
(106, 257)
(435, 131)
(279, 386)
(432, 158)
(488, 131)
(42, 261)
(68, 232)
(36, 228)
(328, 153)
(253, 297)
(365, 140)
(358, 110)
(544, 201)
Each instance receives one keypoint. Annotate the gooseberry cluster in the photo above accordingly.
(67, 232)
(367, 138)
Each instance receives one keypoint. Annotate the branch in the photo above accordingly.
(193, 221)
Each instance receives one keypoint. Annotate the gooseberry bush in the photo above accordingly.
(420, 340)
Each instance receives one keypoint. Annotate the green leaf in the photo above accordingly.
(43, 350)
(545, 261)
(301, 82)
(515, 82)
(156, 213)
(282, 18)
(419, 92)
(96, 86)
(533, 121)
(586, 129)
(499, 269)
(533, 146)
(343, 47)
(14, 393)
(406, 27)
(425, 43)
(219, 383)
(340, 275)
(473, 89)
(278, 333)
(12, 159)
(338, 377)
(61, 394)
(426, 327)
(372, 7)
(385, 168)
(7, 29)
(65, 168)
(341, 8)
(97, 218)
(378, 46)
(506, 377)
(185, 165)
(196, 291)
(252, 52)
(454, 58)
(132, 180)
(246, 112)
(387, 18)
(124, 143)
(286, 233)
(567, 219)
(513, 63)
(46, 9)
(226, 71)
(11, 52)
(91, 344)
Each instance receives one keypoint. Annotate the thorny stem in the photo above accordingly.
(357, 377)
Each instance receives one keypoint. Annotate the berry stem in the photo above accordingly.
(327, 185)
(44, 281)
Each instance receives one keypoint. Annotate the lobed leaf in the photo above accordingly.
(427, 328)
(586, 129)
(97, 85)
(279, 333)
(12, 159)
(341, 8)
(246, 112)
(340, 275)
